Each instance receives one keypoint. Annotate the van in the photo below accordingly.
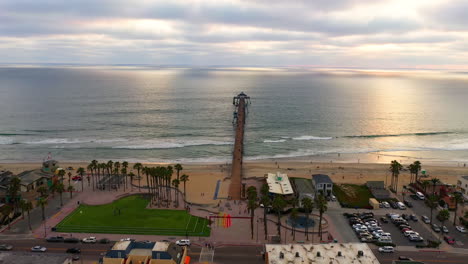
(401, 206)
(420, 196)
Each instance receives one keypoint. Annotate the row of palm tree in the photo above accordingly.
(396, 167)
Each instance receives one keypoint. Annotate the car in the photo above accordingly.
(408, 203)
(183, 242)
(386, 249)
(449, 240)
(333, 198)
(460, 229)
(71, 240)
(436, 228)
(74, 250)
(404, 258)
(393, 204)
(89, 240)
(420, 196)
(6, 247)
(425, 219)
(401, 206)
(414, 218)
(415, 238)
(383, 219)
(55, 239)
(401, 227)
(410, 233)
(127, 239)
(104, 241)
(76, 178)
(445, 229)
(38, 249)
(405, 229)
(75, 257)
(386, 204)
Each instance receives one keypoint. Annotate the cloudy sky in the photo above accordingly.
(330, 33)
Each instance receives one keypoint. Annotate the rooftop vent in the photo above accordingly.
(318, 254)
(281, 256)
(339, 254)
(360, 253)
(297, 254)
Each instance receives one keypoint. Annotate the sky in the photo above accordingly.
(318, 33)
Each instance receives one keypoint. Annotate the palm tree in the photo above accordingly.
(294, 215)
(138, 167)
(175, 183)
(42, 202)
(432, 203)
(458, 198)
(308, 206)
(60, 188)
(252, 205)
(425, 184)
(69, 177)
(265, 200)
(278, 205)
(81, 171)
(184, 178)
(61, 173)
(178, 168)
(27, 206)
(417, 169)
(131, 175)
(443, 216)
(70, 189)
(395, 168)
(322, 207)
(42, 190)
(411, 168)
(90, 168)
(13, 188)
(434, 182)
(124, 175)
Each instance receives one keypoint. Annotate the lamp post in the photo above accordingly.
(257, 228)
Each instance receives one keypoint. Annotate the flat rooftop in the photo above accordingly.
(140, 252)
(161, 246)
(279, 183)
(307, 253)
(121, 245)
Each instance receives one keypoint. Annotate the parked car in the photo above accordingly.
(436, 228)
(426, 219)
(401, 206)
(89, 240)
(38, 249)
(383, 219)
(74, 250)
(55, 239)
(445, 229)
(386, 249)
(404, 258)
(104, 241)
(386, 204)
(420, 196)
(414, 197)
(410, 233)
(449, 240)
(71, 240)
(393, 204)
(183, 242)
(6, 247)
(460, 229)
(76, 178)
(414, 218)
(127, 239)
(416, 238)
(408, 203)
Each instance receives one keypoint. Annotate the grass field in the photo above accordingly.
(352, 195)
(133, 218)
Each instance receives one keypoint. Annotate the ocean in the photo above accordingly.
(163, 114)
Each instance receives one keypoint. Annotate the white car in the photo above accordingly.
(410, 233)
(38, 249)
(386, 204)
(127, 239)
(183, 242)
(386, 249)
(460, 229)
(89, 240)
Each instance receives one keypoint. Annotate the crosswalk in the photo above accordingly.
(206, 255)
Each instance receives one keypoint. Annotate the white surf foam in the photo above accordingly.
(167, 144)
(274, 140)
(311, 138)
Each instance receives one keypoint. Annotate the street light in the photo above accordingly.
(257, 228)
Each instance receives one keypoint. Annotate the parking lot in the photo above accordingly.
(399, 238)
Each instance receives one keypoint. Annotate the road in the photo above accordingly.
(426, 257)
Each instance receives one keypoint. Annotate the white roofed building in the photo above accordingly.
(279, 183)
(333, 253)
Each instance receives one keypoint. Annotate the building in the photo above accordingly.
(279, 184)
(5, 177)
(146, 252)
(29, 258)
(378, 190)
(322, 184)
(32, 179)
(303, 188)
(334, 253)
(462, 186)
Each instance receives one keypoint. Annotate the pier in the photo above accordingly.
(240, 102)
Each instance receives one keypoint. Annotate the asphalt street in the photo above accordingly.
(426, 257)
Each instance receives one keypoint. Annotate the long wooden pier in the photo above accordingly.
(240, 102)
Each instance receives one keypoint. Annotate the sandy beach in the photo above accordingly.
(203, 177)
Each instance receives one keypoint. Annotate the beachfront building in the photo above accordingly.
(462, 186)
(5, 177)
(32, 179)
(349, 253)
(303, 188)
(28, 258)
(377, 188)
(322, 184)
(278, 183)
(146, 252)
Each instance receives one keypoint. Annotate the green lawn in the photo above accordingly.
(352, 195)
(134, 218)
